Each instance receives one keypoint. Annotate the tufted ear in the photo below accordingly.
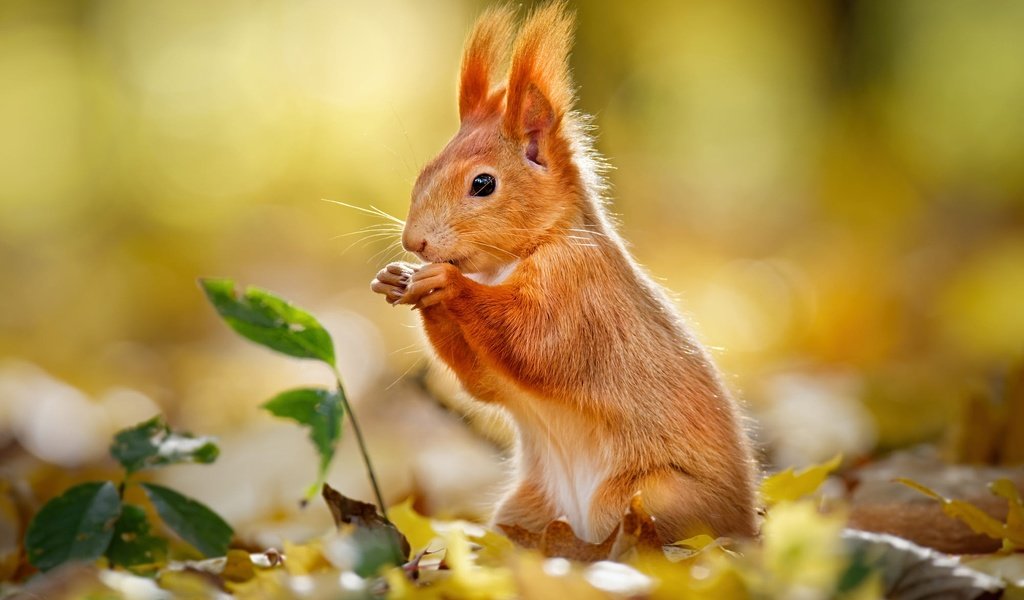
(486, 48)
(539, 86)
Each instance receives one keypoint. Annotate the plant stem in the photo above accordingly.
(362, 446)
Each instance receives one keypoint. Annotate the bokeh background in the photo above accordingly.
(834, 191)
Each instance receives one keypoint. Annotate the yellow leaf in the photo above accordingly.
(1004, 488)
(803, 548)
(910, 483)
(697, 542)
(238, 567)
(469, 580)
(975, 518)
(303, 559)
(416, 528)
(399, 587)
(787, 485)
(187, 584)
(266, 583)
(554, 579)
(709, 577)
(494, 547)
(695, 546)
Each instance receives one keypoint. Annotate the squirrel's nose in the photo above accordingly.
(414, 244)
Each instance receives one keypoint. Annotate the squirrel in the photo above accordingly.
(530, 296)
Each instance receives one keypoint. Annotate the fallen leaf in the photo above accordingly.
(239, 567)
(789, 485)
(801, 547)
(881, 504)
(1005, 489)
(552, 579)
(379, 542)
(416, 528)
(558, 539)
(494, 547)
(710, 576)
(976, 518)
(189, 583)
(697, 545)
(522, 537)
(468, 579)
(303, 559)
(636, 531)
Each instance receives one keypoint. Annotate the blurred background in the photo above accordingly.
(833, 190)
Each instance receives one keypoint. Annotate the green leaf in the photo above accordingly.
(269, 320)
(378, 547)
(77, 525)
(153, 444)
(321, 411)
(133, 546)
(192, 520)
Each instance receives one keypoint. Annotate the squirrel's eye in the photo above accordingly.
(483, 185)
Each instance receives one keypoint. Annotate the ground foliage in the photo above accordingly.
(804, 551)
(88, 542)
(92, 520)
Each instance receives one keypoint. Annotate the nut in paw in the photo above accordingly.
(431, 284)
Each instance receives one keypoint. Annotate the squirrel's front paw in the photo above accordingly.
(393, 280)
(431, 284)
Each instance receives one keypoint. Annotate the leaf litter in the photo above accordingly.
(804, 551)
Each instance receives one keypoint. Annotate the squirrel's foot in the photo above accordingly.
(431, 284)
(393, 280)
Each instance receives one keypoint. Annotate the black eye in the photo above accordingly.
(483, 185)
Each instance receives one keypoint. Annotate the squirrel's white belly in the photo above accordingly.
(571, 479)
(560, 449)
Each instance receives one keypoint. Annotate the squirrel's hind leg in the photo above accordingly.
(526, 506)
(683, 506)
(686, 506)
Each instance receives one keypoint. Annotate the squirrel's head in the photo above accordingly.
(510, 177)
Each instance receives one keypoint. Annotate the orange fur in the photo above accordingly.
(532, 299)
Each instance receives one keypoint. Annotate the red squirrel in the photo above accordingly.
(530, 296)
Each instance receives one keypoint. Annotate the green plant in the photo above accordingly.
(92, 519)
(270, 321)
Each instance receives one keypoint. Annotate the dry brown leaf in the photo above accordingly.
(522, 537)
(558, 539)
(636, 530)
(347, 511)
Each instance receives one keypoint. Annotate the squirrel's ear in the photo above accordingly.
(486, 49)
(539, 86)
